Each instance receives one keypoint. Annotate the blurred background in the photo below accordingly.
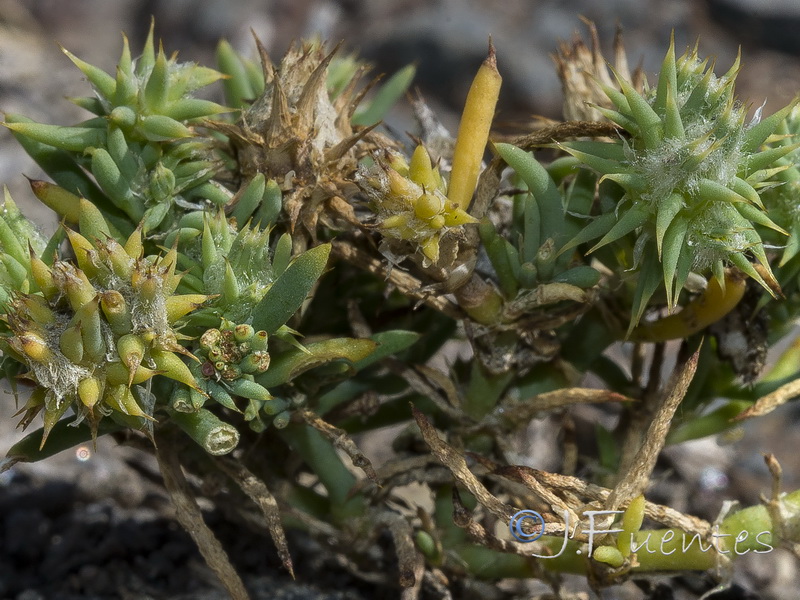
(447, 39)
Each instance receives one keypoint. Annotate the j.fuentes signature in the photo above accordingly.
(664, 546)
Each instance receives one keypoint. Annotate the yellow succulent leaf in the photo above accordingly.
(420, 169)
(457, 216)
(430, 248)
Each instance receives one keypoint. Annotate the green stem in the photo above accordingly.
(321, 456)
(480, 301)
(484, 391)
(204, 427)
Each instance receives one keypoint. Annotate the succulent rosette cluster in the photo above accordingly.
(175, 275)
(140, 147)
(91, 332)
(692, 168)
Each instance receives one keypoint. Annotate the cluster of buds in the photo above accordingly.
(91, 334)
(230, 356)
(140, 148)
(690, 172)
(410, 199)
(233, 350)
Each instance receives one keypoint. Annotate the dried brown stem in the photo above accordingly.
(519, 412)
(455, 461)
(569, 462)
(258, 492)
(442, 381)
(565, 131)
(418, 380)
(408, 558)
(340, 439)
(406, 283)
(462, 517)
(188, 514)
(766, 404)
(404, 471)
(485, 194)
(635, 479)
(595, 493)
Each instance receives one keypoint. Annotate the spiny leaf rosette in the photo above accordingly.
(234, 266)
(780, 197)
(411, 202)
(238, 269)
(295, 133)
(690, 172)
(140, 147)
(96, 331)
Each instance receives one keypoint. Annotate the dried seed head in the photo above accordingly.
(584, 74)
(296, 133)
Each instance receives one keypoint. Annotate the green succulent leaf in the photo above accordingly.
(290, 289)
(73, 139)
(389, 344)
(541, 185)
(238, 90)
(291, 364)
(63, 435)
(387, 96)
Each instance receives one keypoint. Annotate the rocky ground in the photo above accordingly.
(95, 523)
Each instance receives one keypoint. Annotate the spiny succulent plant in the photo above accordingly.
(140, 147)
(236, 269)
(91, 333)
(690, 172)
(191, 280)
(234, 265)
(411, 202)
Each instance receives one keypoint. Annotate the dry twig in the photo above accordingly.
(258, 492)
(766, 404)
(457, 464)
(340, 439)
(188, 514)
(408, 284)
(635, 479)
(564, 131)
(519, 412)
(408, 559)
